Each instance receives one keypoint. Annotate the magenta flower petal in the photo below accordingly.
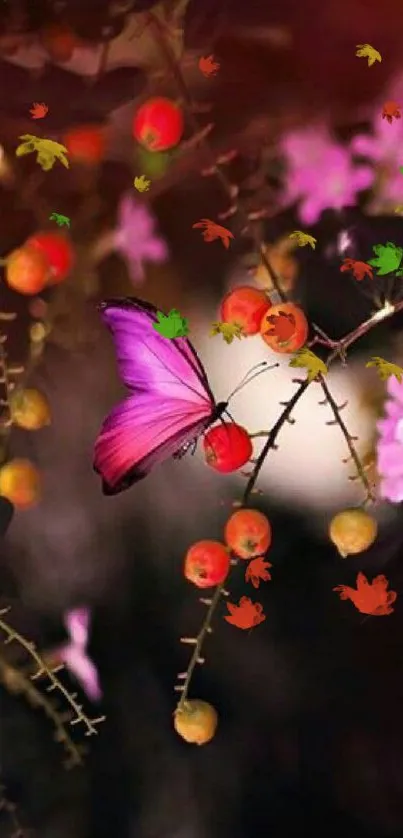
(83, 670)
(136, 237)
(390, 444)
(321, 173)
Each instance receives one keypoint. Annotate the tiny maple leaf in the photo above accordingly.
(385, 368)
(390, 111)
(229, 331)
(48, 151)
(39, 110)
(213, 231)
(366, 51)
(61, 220)
(208, 66)
(171, 325)
(369, 598)
(359, 269)
(388, 258)
(283, 326)
(302, 239)
(257, 570)
(306, 359)
(246, 615)
(141, 183)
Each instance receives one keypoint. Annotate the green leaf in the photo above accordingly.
(388, 258)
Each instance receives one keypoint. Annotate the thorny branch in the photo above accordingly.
(50, 673)
(338, 349)
(18, 683)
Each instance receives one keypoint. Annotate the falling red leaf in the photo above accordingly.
(283, 325)
(208, 66)
(359, 269)
(369, 598)
(246, 615)
(213, 231)
(390, 111)
(257, 571)
(39, 110)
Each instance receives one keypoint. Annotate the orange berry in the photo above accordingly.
(245, 306)
(284, 328)
(196, 721)
(27, 270)
(29, 409)
(207, 563)
(352, 531)
(20, 483)
(248, 533)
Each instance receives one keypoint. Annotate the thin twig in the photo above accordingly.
(10, 808)
(18, 683)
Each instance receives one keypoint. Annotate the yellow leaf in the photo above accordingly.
(309, 361)
(386, 368)
(303, 239)
(367, 51)
(229, 331)
(141, 183)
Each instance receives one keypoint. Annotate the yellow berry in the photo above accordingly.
(352, 531)
(196, 721)
(20, 483)
(29, 409)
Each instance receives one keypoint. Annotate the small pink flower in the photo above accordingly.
(136, 237)
(390, 444)
(321, 173)
(74, 654)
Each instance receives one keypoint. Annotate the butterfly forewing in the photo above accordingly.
(170, 403)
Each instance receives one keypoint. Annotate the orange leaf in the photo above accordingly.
(369, 598)
(283, 326)
(246, 615)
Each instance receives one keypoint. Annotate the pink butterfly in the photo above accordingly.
(169, 405)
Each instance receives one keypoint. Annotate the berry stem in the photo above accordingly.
(340, 347)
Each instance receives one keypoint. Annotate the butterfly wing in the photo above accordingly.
(171, 401)
(146, 359)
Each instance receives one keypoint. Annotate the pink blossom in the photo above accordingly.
(74, 654)
(390, 444)
(321, 173)
(136, 237)
(384, 145)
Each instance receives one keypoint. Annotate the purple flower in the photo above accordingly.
(136, 238)
(74, 655)
(321, 174)
(390, 444)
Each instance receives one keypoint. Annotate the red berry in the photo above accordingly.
(207, 563)
(85, 144)
(158, 124)
(245, 306)
(58, 251)
(227, 447)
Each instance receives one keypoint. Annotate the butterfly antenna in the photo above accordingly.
(253, 373)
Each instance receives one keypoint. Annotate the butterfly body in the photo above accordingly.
(170, 403)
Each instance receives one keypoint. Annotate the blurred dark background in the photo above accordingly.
(310, 735)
